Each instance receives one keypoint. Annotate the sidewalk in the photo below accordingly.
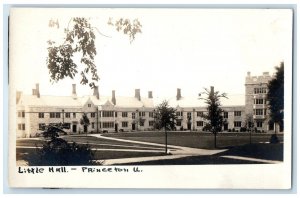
(175, 152)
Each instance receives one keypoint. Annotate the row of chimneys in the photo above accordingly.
(113, 99)
(137, 95)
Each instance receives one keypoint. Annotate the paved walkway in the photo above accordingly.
(175, 151)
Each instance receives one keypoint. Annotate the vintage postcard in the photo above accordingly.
(150, 98)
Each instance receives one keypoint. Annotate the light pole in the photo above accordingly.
(63, 116)
(137, 120)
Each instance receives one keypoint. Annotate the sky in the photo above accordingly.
(178, 48)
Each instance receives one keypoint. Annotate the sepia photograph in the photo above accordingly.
(150, 98)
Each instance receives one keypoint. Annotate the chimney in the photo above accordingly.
(212, 90)
(178, 96)
(18, 96)
(248, 74)
(113, 99)
(265, 73)
(96, 92)
(37, 89)
(137, 94)
(73, 89)
(150, 94)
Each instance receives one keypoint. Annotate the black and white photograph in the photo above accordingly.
(150, 98)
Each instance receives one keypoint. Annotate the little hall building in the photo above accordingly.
(117, 113)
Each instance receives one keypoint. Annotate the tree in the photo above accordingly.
(165, 117)
(80, 41)
(58, 152)
(249, 124)
(85, 122)
(275, 96)
(214, 112)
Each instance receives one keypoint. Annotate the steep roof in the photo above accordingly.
(233, 100)
(67, 101)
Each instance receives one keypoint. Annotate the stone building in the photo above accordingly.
(116, 114)
(256, 105)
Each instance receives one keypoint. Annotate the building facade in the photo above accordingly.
(118, 114)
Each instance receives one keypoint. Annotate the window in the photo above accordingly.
(52, 115)
(41, 126)
(260, 90)
(142, 123)
(178, 122)
(93, 125)
(41, 115)
(19, 126)
(21, 114)
(74, 115)
(67, 125)
(108, 125)
(151, 114)
(258, 111)
(151, 123)
(225, 114)
(199, 113)
(116, 114)
(108, 114)
(93, 115)
(57, 115)
(200, 123)
(133, 115)
(68, 115)
(237, 124)
(142, 114)
(179, 113)
(124, 114)
(124, 124)
(23, 127)
(189, 114)
(89, 105)
(237, 113)
(259, 101)
(259, 124)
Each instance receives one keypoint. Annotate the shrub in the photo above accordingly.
(274, 139)
(58, 152)
(243, 129)
(229, 130)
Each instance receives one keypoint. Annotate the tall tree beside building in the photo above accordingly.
(85, 122)
(79, 43)
(214, 111)
(165, 117)
(249, 125)
(275, 97)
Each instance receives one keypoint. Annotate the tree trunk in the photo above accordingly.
(166, 139)
(215, 134)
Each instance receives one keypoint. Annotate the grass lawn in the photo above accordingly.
(195, 139)
(261, 151)
(236, 143)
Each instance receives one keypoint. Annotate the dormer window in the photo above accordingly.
(89, 105)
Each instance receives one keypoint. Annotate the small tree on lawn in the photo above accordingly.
(249, 124)
(214, 112)
(165, 117)
(84, 121)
